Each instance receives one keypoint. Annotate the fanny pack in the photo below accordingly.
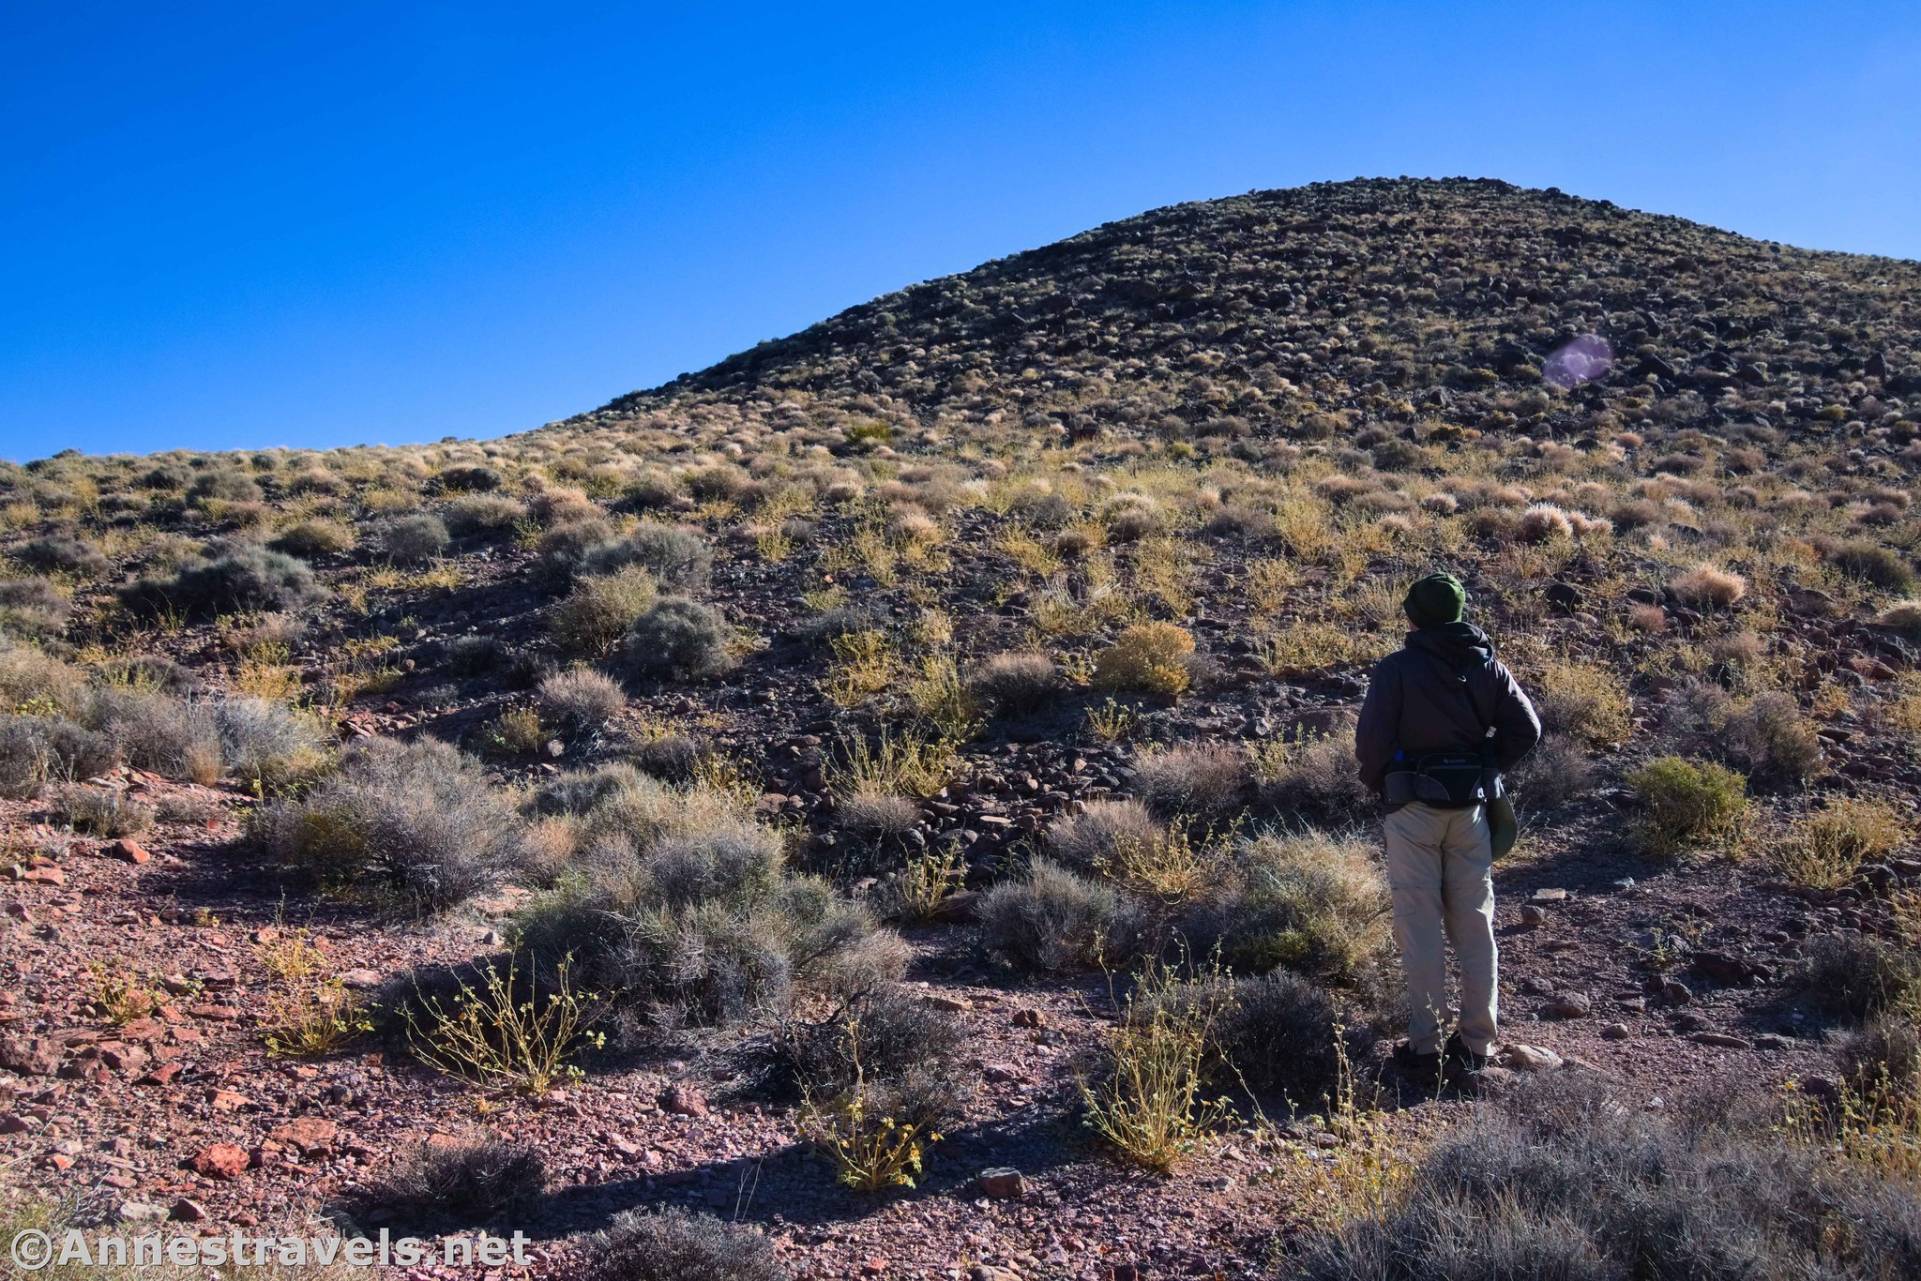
(1450, 780)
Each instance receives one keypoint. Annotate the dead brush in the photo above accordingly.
(1825, 848)
(310, 1019)
(895, 765)
(1366, 1173)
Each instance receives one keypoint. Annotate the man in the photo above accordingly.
(1443, 719)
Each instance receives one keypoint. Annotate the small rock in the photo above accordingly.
(1615, 1032)
(1723, 1040)
(129, 851)
(1570, 1005)
(1549, 896)
(1528, 1058)
(1533, 914)
(187, 1210)
(1002, 1183)
(1029, 1017)
(221, 1161)
(140, 1212)
(682, 1100)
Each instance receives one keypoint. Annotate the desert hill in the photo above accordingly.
(884, 806)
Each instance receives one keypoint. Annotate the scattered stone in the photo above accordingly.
(187, 1210)
(221, 1161)
(682, 1100)
(1549, 896)
(1570, 1005)
(1615, 1032)
(1528, 1058)
(311, 1134)
(1026, 1016)
(1002, 1183)
(29, 1055)
(129, 851)
(1722, 1040)
(1675, 992)
(140, 1212)
(1533, 914)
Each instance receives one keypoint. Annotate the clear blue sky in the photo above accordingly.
(227, 225)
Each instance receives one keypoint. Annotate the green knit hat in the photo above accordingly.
(1434, 600)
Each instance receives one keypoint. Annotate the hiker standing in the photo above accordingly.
(1443, 720)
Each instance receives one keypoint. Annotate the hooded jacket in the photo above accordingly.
(1432, 696)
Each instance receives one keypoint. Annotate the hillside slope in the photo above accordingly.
(1256, 312)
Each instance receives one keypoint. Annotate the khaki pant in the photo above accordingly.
(1439, 865)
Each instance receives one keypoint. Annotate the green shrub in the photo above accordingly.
(414, 540)
(677, 558)
(600, 609)
(1149, 658)
(1687, 804)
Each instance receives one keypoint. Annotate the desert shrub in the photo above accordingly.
(600, 609)
(1773, 739)
(1686, 804)
(1276, 1033)
(311, 538)
(417, 821)
(1543, 522)
(244, 577)
(468, 479)
(680, 906)
(579, 701)
(1881, 1062)
(32, 607)
(1556, 773)
(413, 540)
(1564, 1181)
(675, 1244)
(479, 514)
(461, 1181)
(1054, 920)
(1101, 835)
(1016, 684)
(158, 731)
(1705, 587)
(666, 755)
(874, 818)
(1855, 976)
(101, 811)
(1826, 847)
(1312, 776)
(677, 558)
(226, 486)
(561, 548)
(31, 679)
(1149, 658)
(678, 637)
(1309, 902)
(1872, 563)
(475, 655)
(62, 554)
(1207, 780)
(1903, 618)
(1588, 703)
(267, 742)
(37, 750)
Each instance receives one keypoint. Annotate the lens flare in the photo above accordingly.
(1582, 360)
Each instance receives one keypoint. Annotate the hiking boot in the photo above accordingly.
(1461, 1061)
(1415, 1065)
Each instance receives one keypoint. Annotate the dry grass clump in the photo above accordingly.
(600, 609)
(674, 1244)
(1016, 684)
(1587, 702)
(1206, 780)
(1707, 587)
(1825, 848)
(1055, 921)
(38, 750)
(309, 539)
(1149, 658)
(458, 1181)
(1102, 834)
(579, 700)
(1308, 902)
(414, 539)
(1312, 776)
(1903, 618)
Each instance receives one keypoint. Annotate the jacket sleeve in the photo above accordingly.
(1380, 725)
(1517, 727)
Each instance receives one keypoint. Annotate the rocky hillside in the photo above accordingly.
(1268, 312)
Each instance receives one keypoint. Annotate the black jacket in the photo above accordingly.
(1432, 696)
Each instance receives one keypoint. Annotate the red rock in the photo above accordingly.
(221, 1161)
(1026, 1017)
(165, 1074)
(227, 1100)
(129, 851)
(29, 1055)
(310, 1134)
(1002, 1183)
(186, 1210)
(11, 1124)
(682, 1100)
(43, 876)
